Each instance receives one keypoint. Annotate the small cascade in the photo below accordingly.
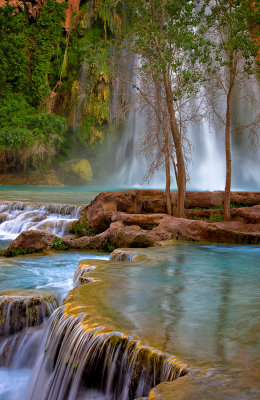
(21, 318)
(80, 271)
(16, 217)
(76, 358)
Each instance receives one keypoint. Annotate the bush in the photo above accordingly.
(58, 244)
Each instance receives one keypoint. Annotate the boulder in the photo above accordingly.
(78, 172)
(32, 241)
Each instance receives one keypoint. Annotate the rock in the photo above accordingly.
(101, 211)
(248, 214)
(32, 241)
(123, 255)
(154, 206)
(20, 310)
(206, 387)
(78, 172)
(3, 217)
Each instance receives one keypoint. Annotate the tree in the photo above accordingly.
(232, 65)
(162, 34)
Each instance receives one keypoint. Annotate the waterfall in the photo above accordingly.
(21, 318)
(16, 217)
(76, 358)
(206, 169)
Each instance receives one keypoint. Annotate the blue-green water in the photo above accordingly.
(197, 301)
(53, 272)
(51, 194)
(200, 301)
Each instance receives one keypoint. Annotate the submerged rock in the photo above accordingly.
(123, 255)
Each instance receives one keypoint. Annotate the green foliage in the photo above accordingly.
(47, 50)
(80, 229)
(232, 20)
(58, 244)
(165, 36)
(31, 51)
(109, 247)
(13, 49)
(215, 218)
(27, 136)
(14, 253)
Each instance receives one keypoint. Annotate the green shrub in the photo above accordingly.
(58, 244)
(215, 218)
(18, 252)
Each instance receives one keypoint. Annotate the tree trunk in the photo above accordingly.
(168, 175)
(228, 159)
(181, 172)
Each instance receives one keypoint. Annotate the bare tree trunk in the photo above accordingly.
(168, 174)
(181, 175)
(228, 159)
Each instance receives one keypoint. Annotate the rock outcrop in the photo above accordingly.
(120, 219)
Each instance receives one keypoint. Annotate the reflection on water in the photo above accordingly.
(198, 301)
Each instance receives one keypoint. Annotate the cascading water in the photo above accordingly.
(76, 358)
(21, 326)
(206, 170)
(16, 217)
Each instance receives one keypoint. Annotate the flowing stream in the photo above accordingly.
(113, 338)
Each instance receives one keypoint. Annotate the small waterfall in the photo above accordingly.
(16, 217)
(21, 312)
(21, 318)
(76, 358)
(80, 271)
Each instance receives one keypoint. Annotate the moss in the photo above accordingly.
(109, 247)
(58, 244)
(215, 218)
(80, 229)
(237, 205)
(18, 252)
(148, 227)
(80, 171)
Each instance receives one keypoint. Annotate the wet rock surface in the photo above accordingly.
(19, 311)
(201, 386)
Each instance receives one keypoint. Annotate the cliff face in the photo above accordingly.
(73, 7)
(54, 59)
(34, 8)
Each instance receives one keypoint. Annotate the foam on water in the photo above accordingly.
(16, 217)
(13, 382)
